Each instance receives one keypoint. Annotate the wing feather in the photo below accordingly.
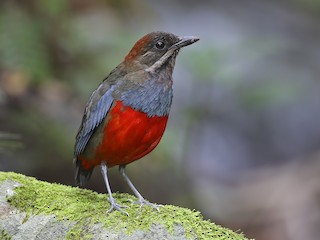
(97, 108)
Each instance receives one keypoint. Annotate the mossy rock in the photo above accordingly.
(33, 209)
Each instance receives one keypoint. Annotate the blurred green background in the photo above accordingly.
(243, 138)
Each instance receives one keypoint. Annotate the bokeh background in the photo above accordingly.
(243, 139)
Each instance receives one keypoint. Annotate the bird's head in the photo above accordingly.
(156, 50)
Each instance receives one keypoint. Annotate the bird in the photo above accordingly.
(126, 116)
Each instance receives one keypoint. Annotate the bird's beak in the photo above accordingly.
(172, 51)
(185, 41)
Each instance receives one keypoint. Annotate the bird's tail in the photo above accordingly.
(82, 175)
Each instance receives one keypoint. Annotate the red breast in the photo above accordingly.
(127, 136)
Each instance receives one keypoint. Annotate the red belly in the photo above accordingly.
(127, 136)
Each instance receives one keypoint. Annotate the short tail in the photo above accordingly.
(82, 175)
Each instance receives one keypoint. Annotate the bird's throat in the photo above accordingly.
(166, 61)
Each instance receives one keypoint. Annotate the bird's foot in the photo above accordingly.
(142, 202)
(116, 206)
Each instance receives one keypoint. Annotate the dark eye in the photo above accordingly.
(160, 44)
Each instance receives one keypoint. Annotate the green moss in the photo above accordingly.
(86, 208)
(4, 235)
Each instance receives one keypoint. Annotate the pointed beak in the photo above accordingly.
(185, 41)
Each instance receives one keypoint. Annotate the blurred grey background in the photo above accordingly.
(243, 139)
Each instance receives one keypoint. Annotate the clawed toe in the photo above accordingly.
(142, 202)
(116, 206)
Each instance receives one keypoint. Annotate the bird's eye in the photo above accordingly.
(160, 44)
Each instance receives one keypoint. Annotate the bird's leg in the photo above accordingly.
(141, 201)
(114, 205)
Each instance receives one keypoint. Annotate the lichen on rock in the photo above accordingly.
(65, 212)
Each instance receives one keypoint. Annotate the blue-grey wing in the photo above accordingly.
(97, 108)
